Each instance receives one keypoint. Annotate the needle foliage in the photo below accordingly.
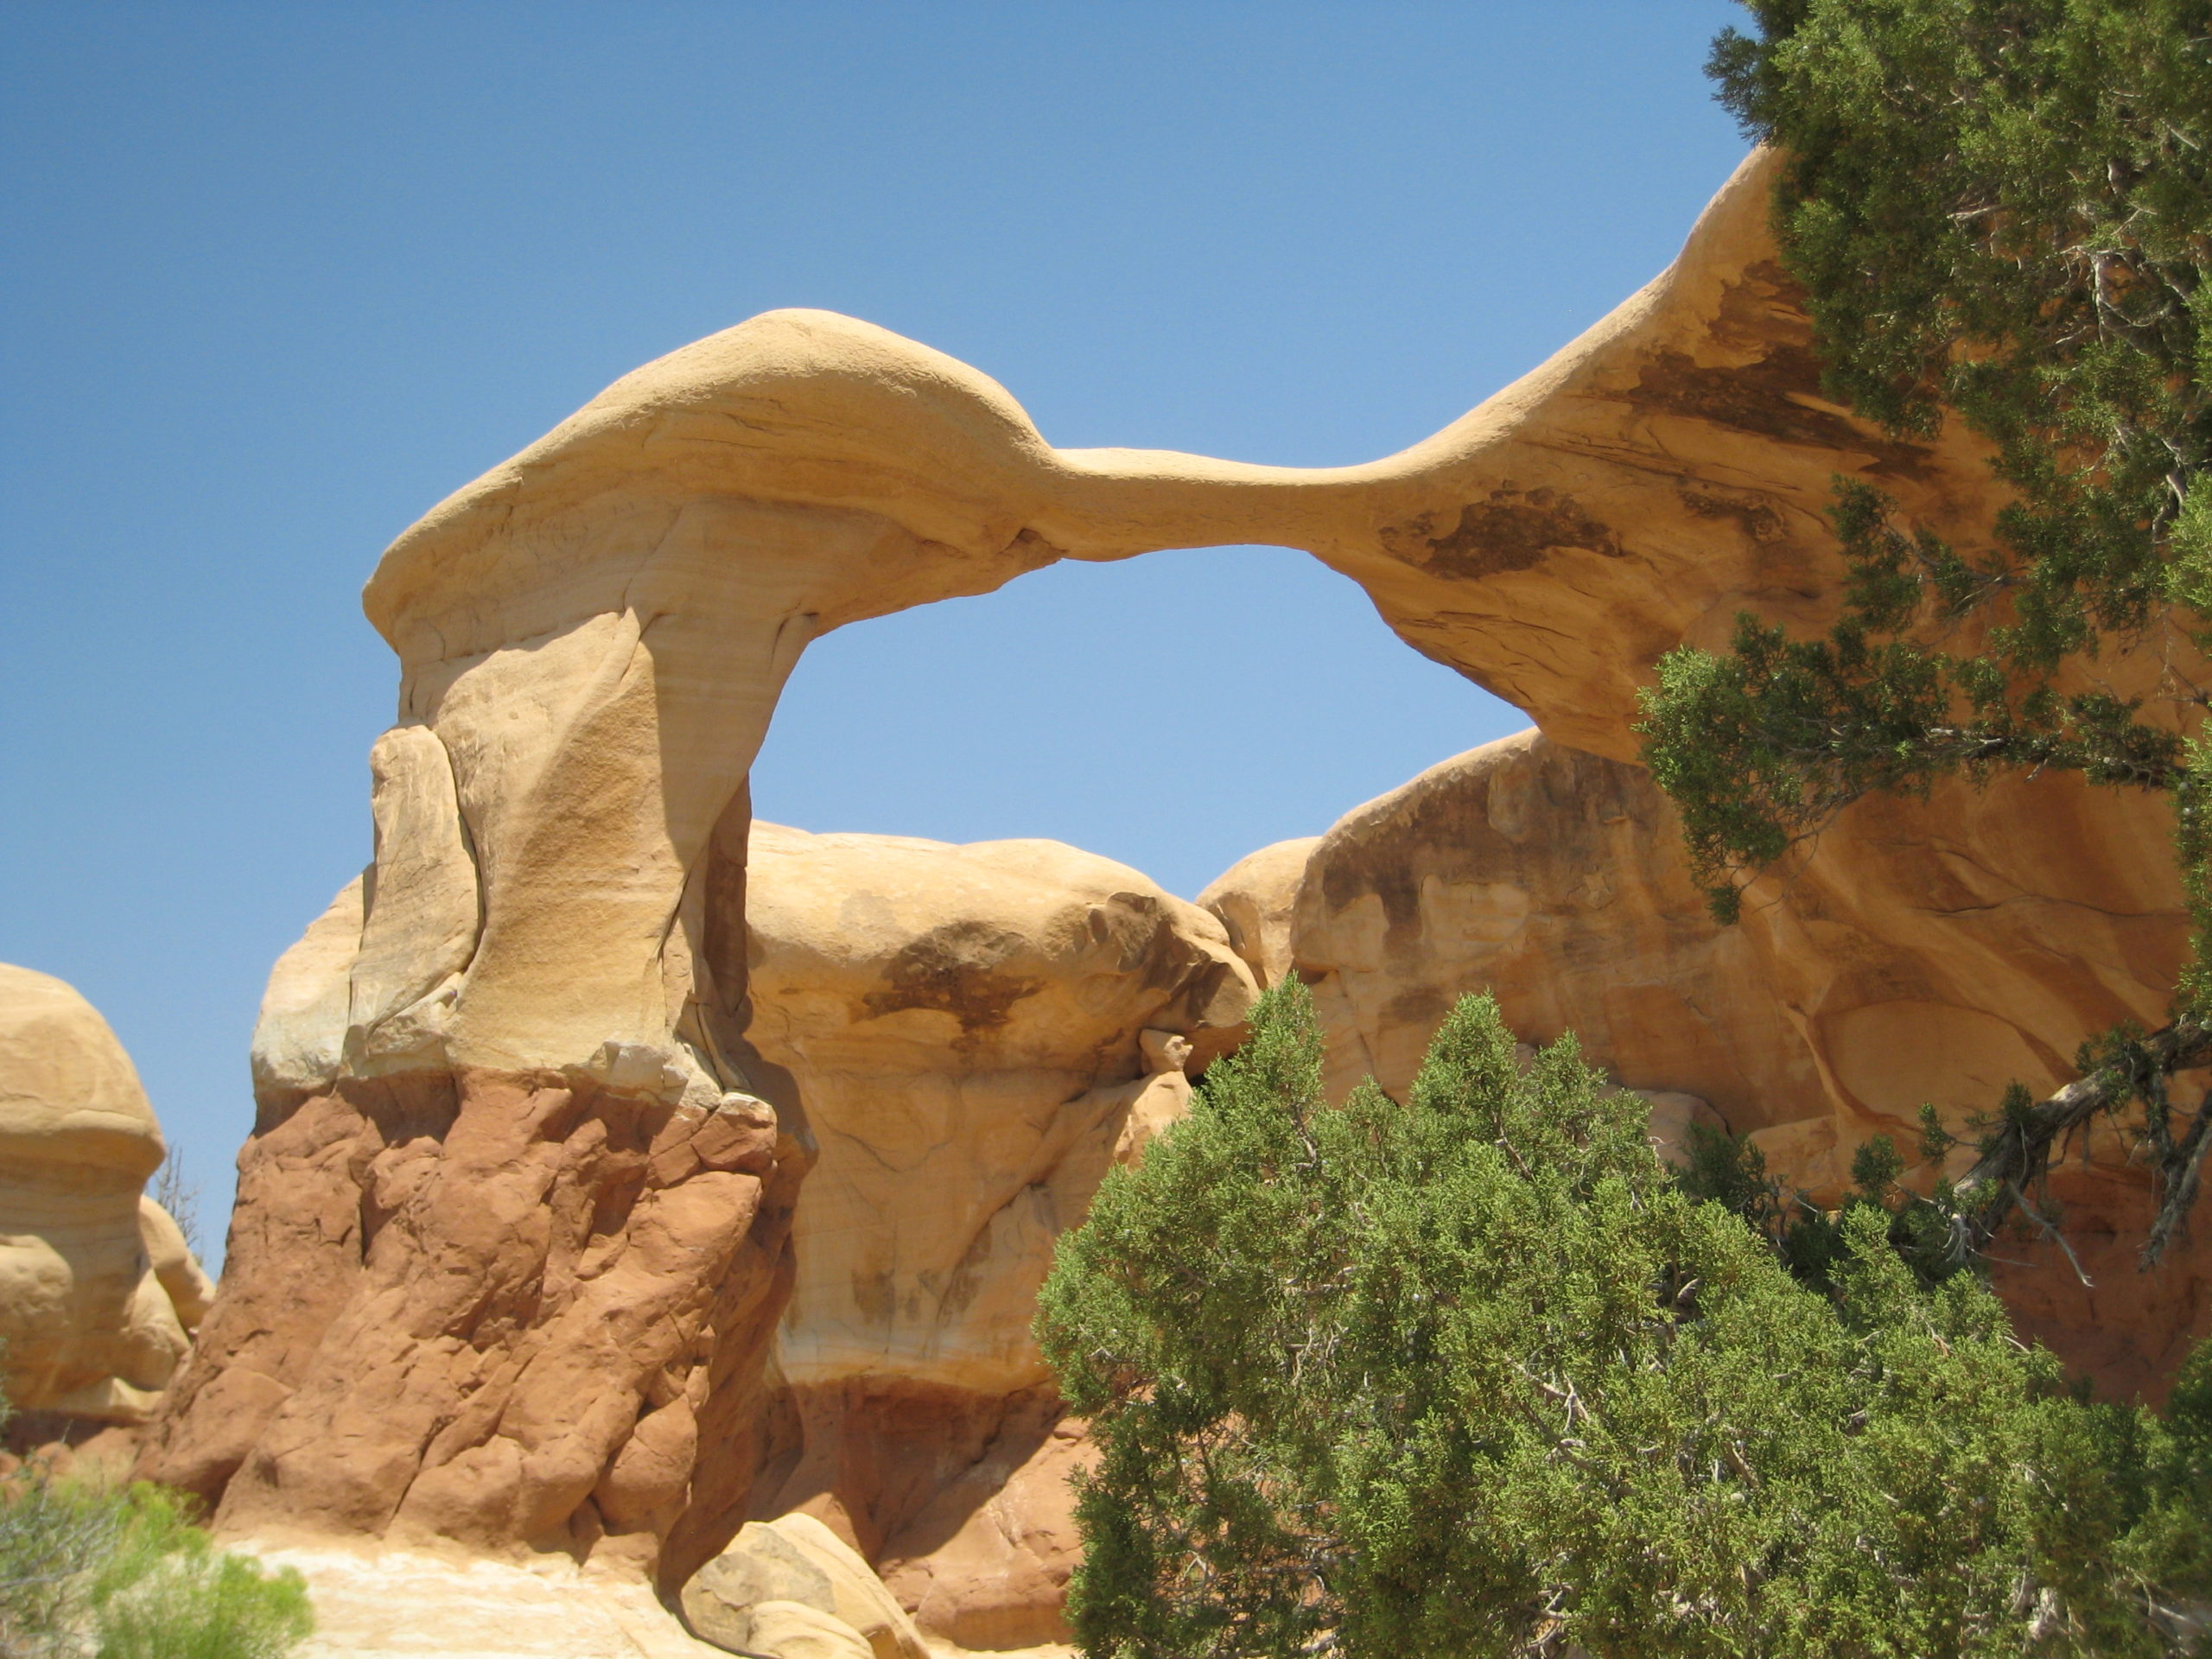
(2000, 212)
(1473, 1375)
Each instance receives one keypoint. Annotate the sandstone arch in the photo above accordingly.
(642, 579)
(513, 1229)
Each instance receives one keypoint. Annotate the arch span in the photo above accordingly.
(513, 1229)
(596, 632)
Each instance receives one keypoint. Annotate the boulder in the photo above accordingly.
(794, 1578)
(1254, 898)
(791, 1630)
(99, 1295)
(971, 1029)
(978, 1032)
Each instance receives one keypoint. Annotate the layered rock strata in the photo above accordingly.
(979, 1034)
(98, 1294)
(516, 1223)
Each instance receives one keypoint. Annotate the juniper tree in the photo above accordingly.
(1473, 1375)
(2000, 212)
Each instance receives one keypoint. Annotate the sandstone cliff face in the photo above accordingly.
(1852, 992)
(517, 1224)
(964, 1025)
(492, 1307)
(98, 1295)
(978, 1032)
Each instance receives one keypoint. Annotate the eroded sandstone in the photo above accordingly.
(979, 1034)
(1853, 990)
(516, 1225)
(98, 1294)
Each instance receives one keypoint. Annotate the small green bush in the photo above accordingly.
(95, 1572)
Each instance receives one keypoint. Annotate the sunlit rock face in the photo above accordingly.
(979, 1034)
(1256, 898)
(966, 1026)
(98, 1295)
(1853, 989)
(538, 1242)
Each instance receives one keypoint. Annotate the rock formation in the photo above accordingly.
(1256, 898)
(98, 1295)
(488, 1307)
(1851, 992)
(962, 1024)
(775, 1574)
(978, 1033)
(516, 1223)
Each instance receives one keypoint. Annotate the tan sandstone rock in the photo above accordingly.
(774, 1574)
(514, 1233)
(97, 1292)
(978, 1032)
(1255, 898)
(1555, 879)
(791, 1630)
(962, 1024)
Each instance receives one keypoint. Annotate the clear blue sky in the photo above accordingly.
(276, 278)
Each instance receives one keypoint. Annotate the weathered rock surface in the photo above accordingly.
(515, 1226)
(792, 1629)
(964, 1025)
(774, 1573)
(979, 1033)
(985, 1563)
(1255, 898)
(99, 1295)
(1851, 992)
(504, 1311)
(1554, 878)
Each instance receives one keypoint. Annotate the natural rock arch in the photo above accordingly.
(593, 635)
(513, 1228)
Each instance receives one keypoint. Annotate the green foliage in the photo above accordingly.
(2001, 208)
(94, 1572)
(1473, 1375)
(49, 1532)
(1925, 1232)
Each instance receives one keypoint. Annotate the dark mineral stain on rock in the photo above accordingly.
(955, 970)
(1511, 530)
(1759, 521)
(1765, 313)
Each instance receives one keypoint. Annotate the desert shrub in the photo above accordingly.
(94, 1571)
(1474, 1375)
